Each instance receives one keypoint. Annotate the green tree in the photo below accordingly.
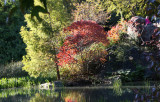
(25, 5)
(128, 8)
(42, 38)
(12, 47)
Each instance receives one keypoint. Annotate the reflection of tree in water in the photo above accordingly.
(43, 98)
(74, 97)
(80, 94)
(98, 94)
(33, 95)
(117, 90)
(48, 96)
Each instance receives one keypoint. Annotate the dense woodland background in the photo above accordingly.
(68, 38)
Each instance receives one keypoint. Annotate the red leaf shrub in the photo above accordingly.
(82, 34)
(114, 34)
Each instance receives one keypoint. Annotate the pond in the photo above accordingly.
(82, 94)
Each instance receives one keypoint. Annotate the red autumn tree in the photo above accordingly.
(82, 34)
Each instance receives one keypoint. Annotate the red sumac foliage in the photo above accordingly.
(82, 34)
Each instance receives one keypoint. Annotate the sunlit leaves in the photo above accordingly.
(114, 34)
(127, 8)
(42, 38)
(44, 3)
(29, 5)
(82, 34)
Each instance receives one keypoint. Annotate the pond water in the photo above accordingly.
(80, 94)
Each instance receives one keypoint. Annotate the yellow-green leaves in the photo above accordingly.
(42, 37)
(127, 8)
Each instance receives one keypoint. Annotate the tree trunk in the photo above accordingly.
(54, 49)
(57, 67)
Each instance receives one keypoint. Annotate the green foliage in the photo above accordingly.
(13, 69)
(87, 61)
(125, 56)
(117, 87)
(27, 91)
(22, 82)
(26, 5)
(42, 38)
(136, 75)
(36, 10)
(128, 8)
(31, 6)
(12, 47)
(12, 82)
(122, 49)
(39, 6)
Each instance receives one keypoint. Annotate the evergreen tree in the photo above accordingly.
(12, 47)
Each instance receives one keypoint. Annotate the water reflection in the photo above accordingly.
(81, 94)
(151, 95)
(43, 98)
(117, 84)
(74, 97)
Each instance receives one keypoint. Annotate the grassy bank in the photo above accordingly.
(22, 82)
(12, 76)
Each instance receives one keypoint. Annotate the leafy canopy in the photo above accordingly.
(41, 38)
(12, 47)
(82, 34)
(128, 8)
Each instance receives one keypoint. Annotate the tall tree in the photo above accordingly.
(12, 47)
(41, 38)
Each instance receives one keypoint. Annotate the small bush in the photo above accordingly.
(88, 61)
(13, 69)
(114, 34)
(90, 11)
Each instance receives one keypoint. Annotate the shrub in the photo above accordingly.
(84, 40)
(13, 69)
(90, 11)
(87, 62)
(114, 34)
(83, 34)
